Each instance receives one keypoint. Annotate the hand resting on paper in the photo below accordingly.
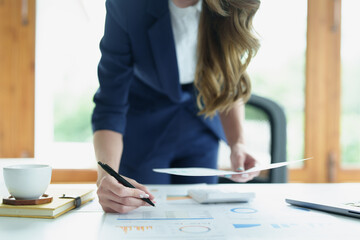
(115, 197)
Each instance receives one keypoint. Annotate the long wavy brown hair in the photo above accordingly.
(226, 45)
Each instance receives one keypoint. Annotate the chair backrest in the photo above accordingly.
(265, 134)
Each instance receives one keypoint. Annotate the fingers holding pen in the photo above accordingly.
(120, 191)
(115, 197)
(140, 187)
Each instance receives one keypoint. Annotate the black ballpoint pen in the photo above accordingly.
(117, 176)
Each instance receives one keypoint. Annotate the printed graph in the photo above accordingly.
(243, 210)
(177, 197)
(248, 225)
(127, 229)
(194, 229)
(166, 215)
(300, 225)
(283, 225)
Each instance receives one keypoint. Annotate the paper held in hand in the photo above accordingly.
(215, 172)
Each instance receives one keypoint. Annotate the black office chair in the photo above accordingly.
(265, 126)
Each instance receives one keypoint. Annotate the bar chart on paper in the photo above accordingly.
(135, 228)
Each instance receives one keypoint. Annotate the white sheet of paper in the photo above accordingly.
(215, 172)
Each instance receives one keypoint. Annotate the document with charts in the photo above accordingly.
(168, 220)
(177, 216)
(161, 224)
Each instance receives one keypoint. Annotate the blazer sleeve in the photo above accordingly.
(115, 73)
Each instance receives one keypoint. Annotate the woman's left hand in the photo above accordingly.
(241, 160)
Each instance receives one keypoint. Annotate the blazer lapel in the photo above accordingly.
(163, 49)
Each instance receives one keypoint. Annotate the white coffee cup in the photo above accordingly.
(27, 181)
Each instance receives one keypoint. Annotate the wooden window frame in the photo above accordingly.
(17, 78)
(322, 100)
(74, 176)
(323, 97)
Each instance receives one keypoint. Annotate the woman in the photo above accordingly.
(168, 67)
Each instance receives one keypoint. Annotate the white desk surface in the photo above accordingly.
(266, 217)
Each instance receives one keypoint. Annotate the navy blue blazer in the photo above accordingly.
(139, 81)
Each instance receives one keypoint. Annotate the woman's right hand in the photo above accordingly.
(116, 198)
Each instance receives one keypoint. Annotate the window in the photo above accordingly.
(68, 33)
(278, 70)
(67, 37)
(66, 61)
(350, 75)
